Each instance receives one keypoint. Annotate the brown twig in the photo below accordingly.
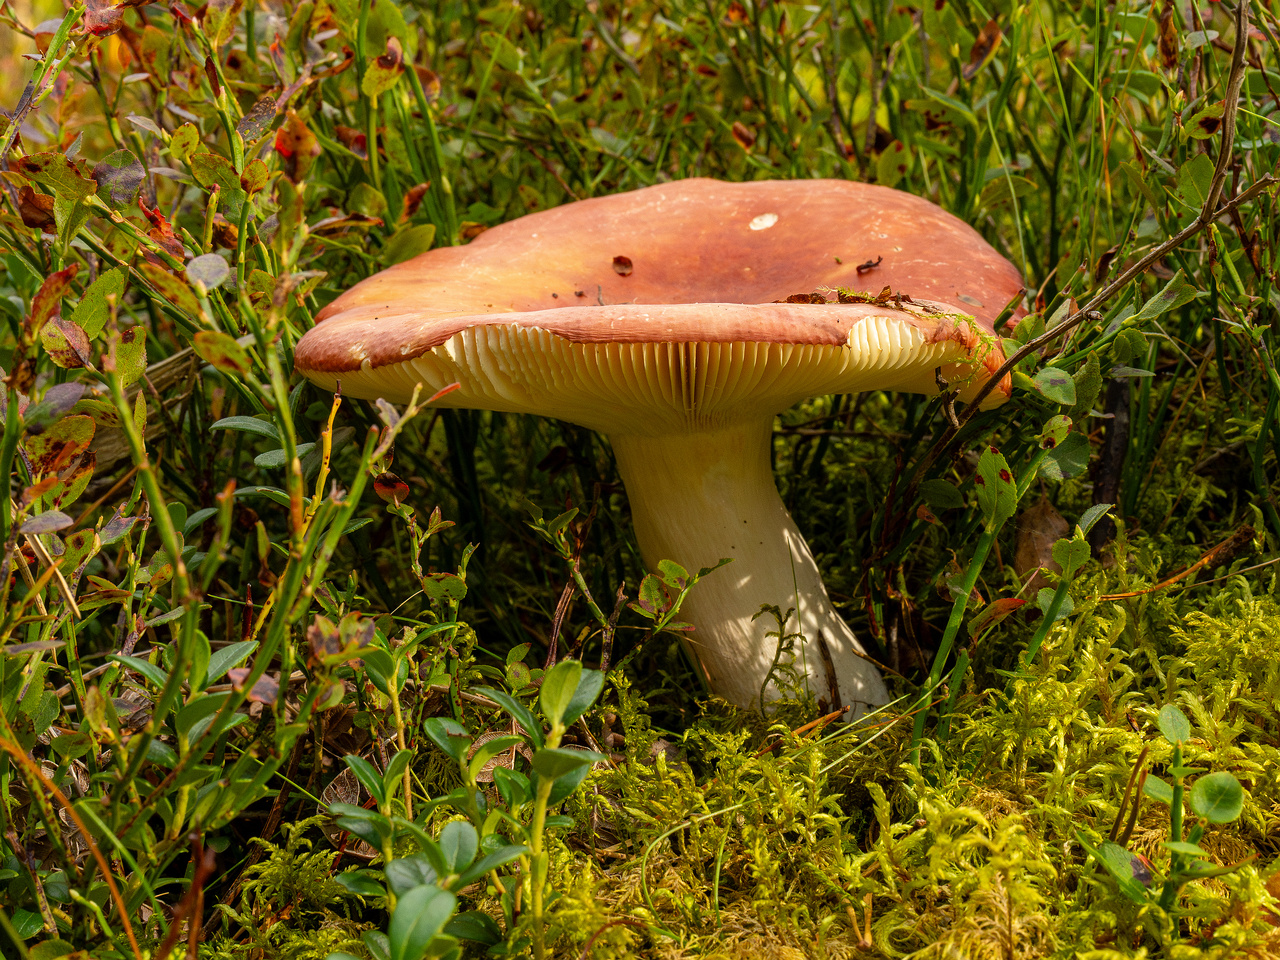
(1215, 557)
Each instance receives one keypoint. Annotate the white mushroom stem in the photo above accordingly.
(698, 497)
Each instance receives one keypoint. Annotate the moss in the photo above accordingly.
(291, 908)
(738, 850)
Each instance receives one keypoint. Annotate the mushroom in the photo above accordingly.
(654, 317)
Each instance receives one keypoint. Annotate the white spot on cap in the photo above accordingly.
(356, 351)
(764, 221)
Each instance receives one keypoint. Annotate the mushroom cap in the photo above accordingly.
(670, 294)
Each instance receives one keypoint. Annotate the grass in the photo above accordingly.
(194, 550)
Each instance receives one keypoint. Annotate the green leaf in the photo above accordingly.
(370, 826)
(1218, 797)
(395, 770)
(129, 347)
(493, 861)
(1056, 385)
(556, 762)
(1071, 555)
(1093, 515)
(148, 670)
(1181, 846)
(894, 162)
(248, 425)
(997, 493)
(1088, 382)
(1194, 179)
(368, 777)
(1175, 293)
(590, 683)
(1045, 598)
(274, 459)
(475, 925)
(459, 843)
(490, 749)
(418, 918)
(519, 712)
(90, 313)
(1119, 862)
(407, 242)
(1173, 724)
(363, 883)
(1158, 790)
(449, 735)
(201, 708)
(941, 495)
(513, 786)
(1067, 459)
(558, 687)
(212, 168)
(232, 655)
(405, 873)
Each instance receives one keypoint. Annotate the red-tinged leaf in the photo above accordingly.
(254, 177)
(265, 690)
(443, 392)
(48, 299)
(211, 74)
(180, 14)
(173, 288)
(64, 177)
(37, 490)
(50, 521)
(391, 488)
(36, 209)
(745, 136)
(119, 176)
(256, 123)
(412, 200)
(430, 83)
(74, 480)
(1169, 42)
(162, 233)
(383, 73)
(355, 141)
(102, 18)
(993, 613)
(736, 15)
(223, 353)
(297, 145)
(65, 343)
(56, 448)
(219, 19)
(323, 639)
(984, 46)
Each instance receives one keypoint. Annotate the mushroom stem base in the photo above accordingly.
(702, 496)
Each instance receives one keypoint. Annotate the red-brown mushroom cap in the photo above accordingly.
(676, 270)
(654, 317)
